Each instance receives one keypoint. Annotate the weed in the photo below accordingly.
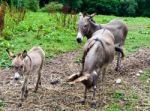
(2, 104)
(56, 33)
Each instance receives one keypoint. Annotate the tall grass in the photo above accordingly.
(56, 33)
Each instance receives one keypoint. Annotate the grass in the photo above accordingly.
(2, 104)
(123, 101)
(132, 99)
(49, 32)
(38, 29)
(139, 31)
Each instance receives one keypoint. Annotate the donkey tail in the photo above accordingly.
(118, 49)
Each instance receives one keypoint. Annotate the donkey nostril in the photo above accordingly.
(16, 79)
(79, 40)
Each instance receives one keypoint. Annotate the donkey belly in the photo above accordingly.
(36, 61)
(118, 32)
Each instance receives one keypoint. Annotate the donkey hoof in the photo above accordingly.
(116, 69)
(19, 105)
(82, 102)
(93, 105)
(40, 83)
(35, 91)
(26, 94)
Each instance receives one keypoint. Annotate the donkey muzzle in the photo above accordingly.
(17, 76)
(79, 40)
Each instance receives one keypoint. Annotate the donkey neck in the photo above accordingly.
(28, 63)
(93, 28)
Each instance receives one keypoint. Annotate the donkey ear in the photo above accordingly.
(24, 54)
(72, 77)
(85, 14)
(82, 78)
(92, 15)
(10, 54)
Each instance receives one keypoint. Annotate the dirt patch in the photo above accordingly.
(65, 97)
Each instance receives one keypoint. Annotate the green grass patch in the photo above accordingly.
(123, 101)
(139, 31)
(2, 104)
(145, 79)
(146, 76)
(56, 33)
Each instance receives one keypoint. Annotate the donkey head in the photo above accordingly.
(84, 26)
(17, 63)
(87, 79)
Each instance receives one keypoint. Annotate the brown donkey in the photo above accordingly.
(26, 63)
(87, 26)
(98, 53)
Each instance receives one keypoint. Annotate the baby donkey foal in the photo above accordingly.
(98, 53)
(26, 63)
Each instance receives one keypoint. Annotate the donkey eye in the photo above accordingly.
(21, 67)
(85, 25)
(16, 67)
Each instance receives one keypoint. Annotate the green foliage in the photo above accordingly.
(17, 3)
(45, 30)
(1, 104)
(65, 20)
(113, 107)
(52, 7)
(123, 101)
(32, 5)
(21, 4)
(115, 7)
(128, 7)
(118, 95)
(56, 33)
(145, 78)
(74, 4)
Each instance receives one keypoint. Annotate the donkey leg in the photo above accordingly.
(39, 76)
(85, 96)
(26, 92)
(118, 61)
(102, 80)
(103, 74)
(23, 91)
(24, 88)
(38, 81)
(93, 105)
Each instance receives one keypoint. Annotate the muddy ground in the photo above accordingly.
(65, 97)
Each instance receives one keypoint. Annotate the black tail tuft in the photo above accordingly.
(118, 49)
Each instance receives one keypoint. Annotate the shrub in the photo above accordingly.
(32, 5)
(52, 7)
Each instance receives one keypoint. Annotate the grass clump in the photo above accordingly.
(2, 104)
(123, 101)
(56, 33)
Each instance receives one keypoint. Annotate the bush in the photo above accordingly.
(32, 5)
(52, 7)
(29, 4)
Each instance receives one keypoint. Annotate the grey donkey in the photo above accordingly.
(87, 26)
(24, 64)
(98, 54)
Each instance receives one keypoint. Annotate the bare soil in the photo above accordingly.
(65, 97)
